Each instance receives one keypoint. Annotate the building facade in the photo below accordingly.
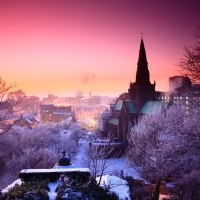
(52, 113)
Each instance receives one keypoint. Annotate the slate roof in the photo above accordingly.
(118, 105)
(151, 107)
(130, 106)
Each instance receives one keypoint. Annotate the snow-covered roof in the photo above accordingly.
(67, 120)
(62, 170)
(36, 118)
(116, 185)
(29, 117)
(62, 112)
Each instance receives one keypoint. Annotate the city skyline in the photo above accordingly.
(63, 46)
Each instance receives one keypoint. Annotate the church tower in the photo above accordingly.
(142, 90)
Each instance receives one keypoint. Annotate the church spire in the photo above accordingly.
(142, 74)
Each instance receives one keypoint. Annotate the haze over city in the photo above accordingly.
(63, 46)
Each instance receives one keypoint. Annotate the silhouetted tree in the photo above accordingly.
(7, 104)
(190, 63)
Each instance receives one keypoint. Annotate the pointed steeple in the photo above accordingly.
(142, 74)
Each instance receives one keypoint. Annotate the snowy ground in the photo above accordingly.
(114, 165)
(116, 185)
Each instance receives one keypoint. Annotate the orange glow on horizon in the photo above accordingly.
(61, 47)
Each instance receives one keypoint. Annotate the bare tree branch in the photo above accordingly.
(8, 113)
(190, 63)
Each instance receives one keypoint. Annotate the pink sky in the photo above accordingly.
(92, 45)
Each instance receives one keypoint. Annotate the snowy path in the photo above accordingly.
(114, 165)
(80, 160)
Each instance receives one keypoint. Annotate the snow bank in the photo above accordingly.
(116, 185)
(16, 182)
(55, 170)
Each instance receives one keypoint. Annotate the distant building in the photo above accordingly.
(196, 91)
(17, 95)
(104, 118)
(54, 113)
(31, 104)
(24, 103)
(50, 99)
(181, 92)
(28, 120)
(79, 95)
(179, 84)
(91, 100)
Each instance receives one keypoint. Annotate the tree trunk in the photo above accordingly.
(157, 190)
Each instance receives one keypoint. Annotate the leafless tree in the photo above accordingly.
(98, 154)
(190, 63)
(8, 115)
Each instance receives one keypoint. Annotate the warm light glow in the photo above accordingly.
(64, 46)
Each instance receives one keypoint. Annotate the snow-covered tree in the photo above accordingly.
(166, 144)
(76, 135)
(36, 148)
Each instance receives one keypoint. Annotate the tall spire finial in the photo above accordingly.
(141, 35)
(142, 74)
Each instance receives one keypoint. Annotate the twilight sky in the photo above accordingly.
(62, 46)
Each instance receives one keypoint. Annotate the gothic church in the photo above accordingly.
(140, 100)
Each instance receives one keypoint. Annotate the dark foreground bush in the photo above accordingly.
(73, 190)
(28, 191)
